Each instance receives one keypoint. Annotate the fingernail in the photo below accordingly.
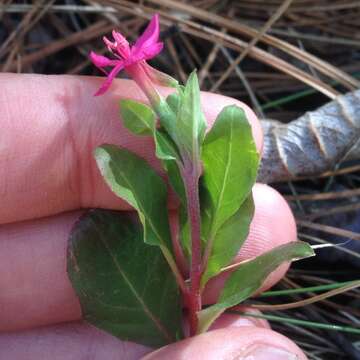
(266, 352)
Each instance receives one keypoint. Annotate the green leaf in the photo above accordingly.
(140, 120)
(229, 239)
(176, 180)
(190, 121)
(166, 151)
(230, 161)
(167, 117)
(131, 178)
(165, 148)
(124, 286)
(137, 117)
(188, 135)
(184, 232)
(173, 101)
(249, 277)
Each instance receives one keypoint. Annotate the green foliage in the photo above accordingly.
(229, 239)
(230, 161)
(137, 117)
(140, 120)
(249, 277)
(131, 178)
(166, 151)
(124, 286)
(190, 123)
(173, 101)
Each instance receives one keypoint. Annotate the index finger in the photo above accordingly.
(50, 126)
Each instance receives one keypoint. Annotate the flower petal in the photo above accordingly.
(106, 84)
(150, 35)
(147, 53)
(101, 61)
(151, 51)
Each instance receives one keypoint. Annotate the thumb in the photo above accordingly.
(233, 343)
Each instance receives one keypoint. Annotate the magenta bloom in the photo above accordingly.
(132, 59)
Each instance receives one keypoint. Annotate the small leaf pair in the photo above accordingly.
(230, 162)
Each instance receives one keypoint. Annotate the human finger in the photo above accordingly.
(239, 340)
(243, 343)
(228, 320)
(35, 289)
(47, 143)
(67, 342)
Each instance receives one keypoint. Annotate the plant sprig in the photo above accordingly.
(132, 276)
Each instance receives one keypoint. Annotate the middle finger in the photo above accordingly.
(35, 289)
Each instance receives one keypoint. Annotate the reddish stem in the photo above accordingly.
(191, 179)
(191, 170)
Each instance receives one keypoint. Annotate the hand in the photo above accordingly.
(50, 126)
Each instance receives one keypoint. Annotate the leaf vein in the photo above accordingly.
(146, 310)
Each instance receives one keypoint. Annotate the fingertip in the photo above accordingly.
(228, 320)
(273, 223)
(232, 343)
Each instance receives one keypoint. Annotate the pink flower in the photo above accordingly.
(133, 59)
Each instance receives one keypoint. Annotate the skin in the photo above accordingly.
(49, 128)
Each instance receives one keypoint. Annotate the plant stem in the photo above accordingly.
(138, 74)
(191, 175)
(190, 171)
(157, 102)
